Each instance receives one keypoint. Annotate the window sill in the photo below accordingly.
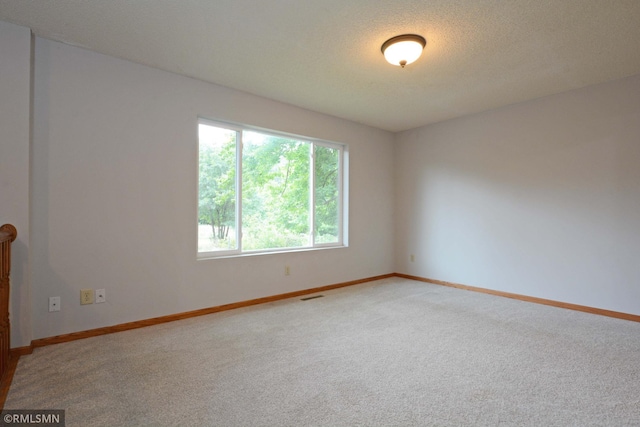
(205, 256)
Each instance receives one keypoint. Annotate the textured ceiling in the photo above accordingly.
(324, 55)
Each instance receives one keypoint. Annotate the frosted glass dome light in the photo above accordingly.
(404, 49)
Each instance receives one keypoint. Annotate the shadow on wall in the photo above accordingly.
(539, 198)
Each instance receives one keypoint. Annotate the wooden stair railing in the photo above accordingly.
(8, 234)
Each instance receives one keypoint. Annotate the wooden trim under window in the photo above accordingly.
(179, 316)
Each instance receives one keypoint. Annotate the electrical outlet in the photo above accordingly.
(101, 296)
(287, 270)
(86, 296)
(54, 304)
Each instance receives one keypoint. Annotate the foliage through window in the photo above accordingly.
(263, 191)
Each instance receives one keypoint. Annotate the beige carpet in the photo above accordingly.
(389, 353)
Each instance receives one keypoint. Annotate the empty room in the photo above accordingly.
(327, 213)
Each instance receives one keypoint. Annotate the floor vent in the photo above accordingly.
(313, 297)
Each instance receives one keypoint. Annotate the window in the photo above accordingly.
(264, 191)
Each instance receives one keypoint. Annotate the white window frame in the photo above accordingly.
(343, 192)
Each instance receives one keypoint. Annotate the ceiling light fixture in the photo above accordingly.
(404, 49)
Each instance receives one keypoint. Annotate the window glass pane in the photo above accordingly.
(217, 189)
(327, 194)
(275, 192)
(288, 192)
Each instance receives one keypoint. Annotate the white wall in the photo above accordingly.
(115, 187)
(540, 198)
(15, 97)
